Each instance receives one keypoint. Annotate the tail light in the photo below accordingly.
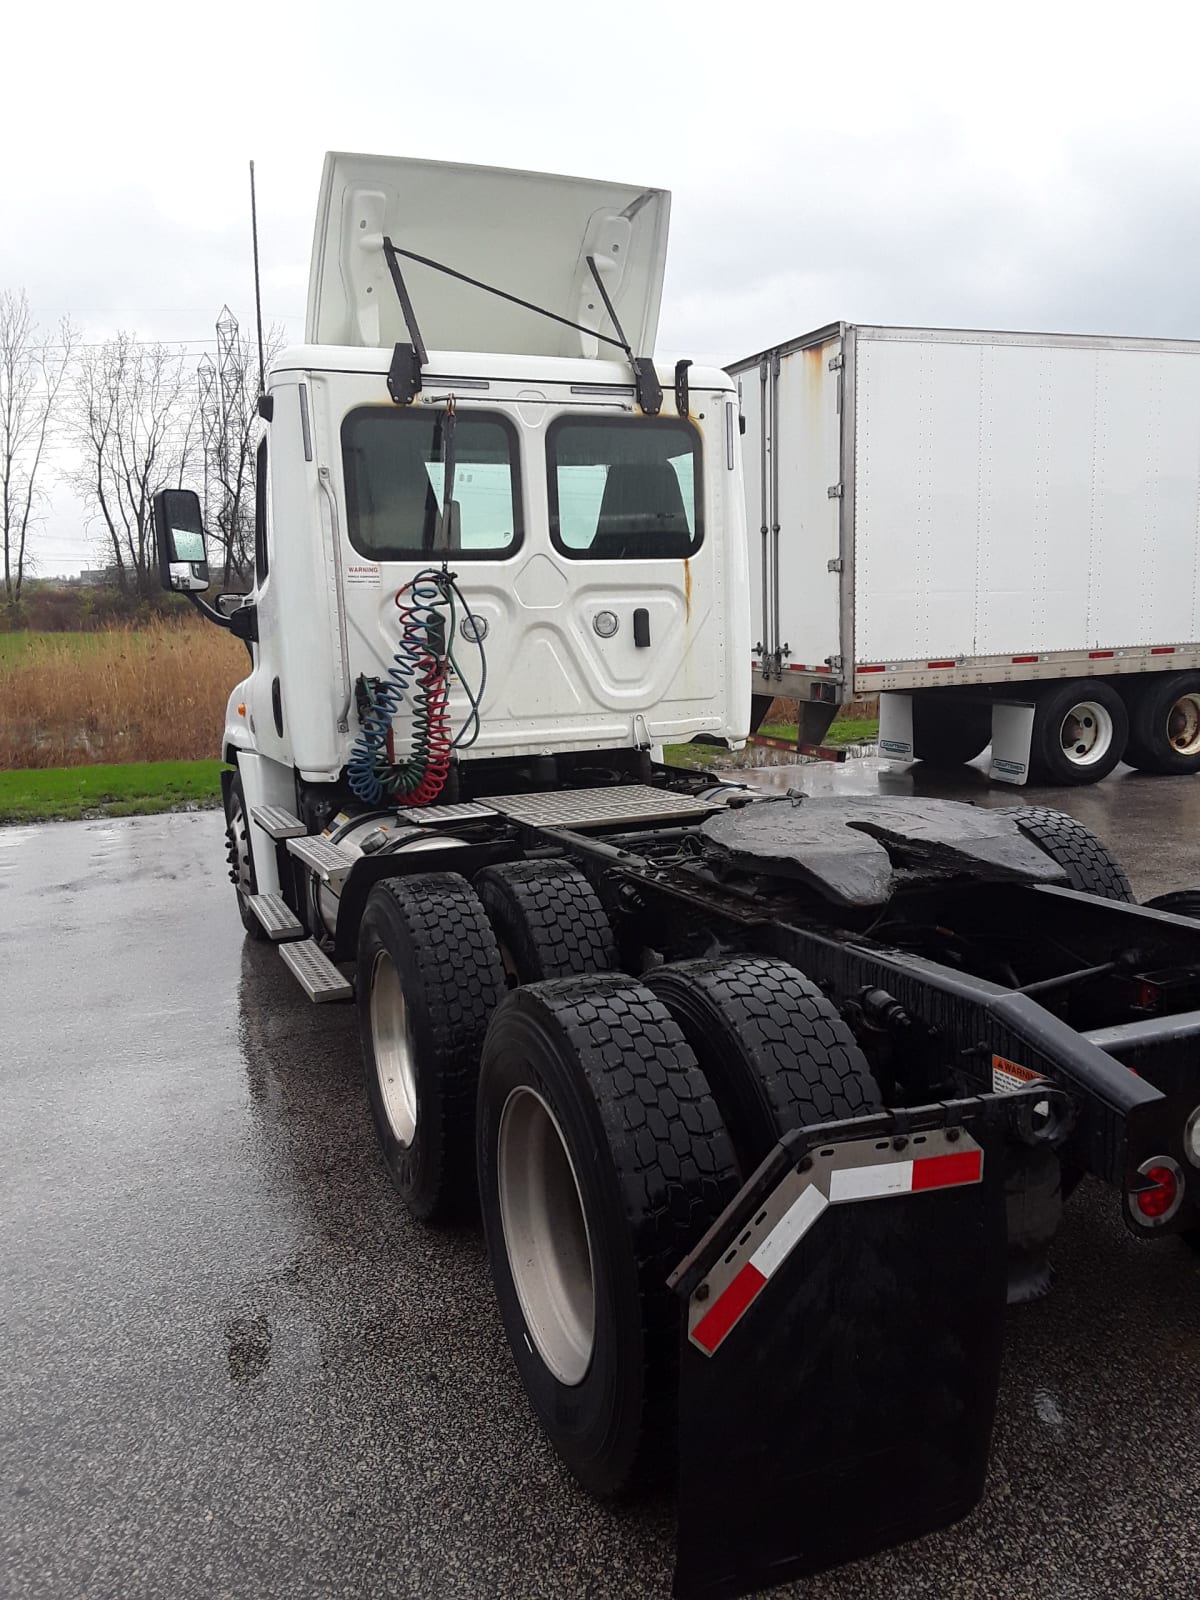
(1159, 1194)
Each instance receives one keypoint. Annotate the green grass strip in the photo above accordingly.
(42, 794)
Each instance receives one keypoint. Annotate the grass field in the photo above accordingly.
(843, 731)
(148, 694)
(133, 789)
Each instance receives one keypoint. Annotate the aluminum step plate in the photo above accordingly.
(277, 917)
(318, 976)
(616, 803)
(280, 824)
(328, 861)
(432, 815)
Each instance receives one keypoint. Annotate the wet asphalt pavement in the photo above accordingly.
(231, 1366)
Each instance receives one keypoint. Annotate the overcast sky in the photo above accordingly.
(1017, 166)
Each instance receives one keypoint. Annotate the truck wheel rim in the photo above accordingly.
(391, 1037)
(1183, 725)
(546, 1235)
(1085, 733)
(239, 851)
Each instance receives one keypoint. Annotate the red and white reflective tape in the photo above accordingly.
(845, 1183)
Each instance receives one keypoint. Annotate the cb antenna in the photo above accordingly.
(262, 377)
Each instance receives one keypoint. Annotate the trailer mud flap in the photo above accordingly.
(840, 1357)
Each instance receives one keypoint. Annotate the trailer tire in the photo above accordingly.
(238, 854)
(429, 978)
(1080, 730)
(1087, 861)
(602, 1162)
(775, 1051)
(1164, 724)
(949, 733)
(548, 920)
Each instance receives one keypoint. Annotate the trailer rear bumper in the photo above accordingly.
(840, 1347)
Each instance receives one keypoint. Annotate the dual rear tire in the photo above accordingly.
(616, 1121)
(603, 1123)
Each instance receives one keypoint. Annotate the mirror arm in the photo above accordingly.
(206, 610)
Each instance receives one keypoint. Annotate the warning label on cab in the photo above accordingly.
(365, 572)
(1009, 1076)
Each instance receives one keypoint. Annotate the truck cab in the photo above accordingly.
(594, 531)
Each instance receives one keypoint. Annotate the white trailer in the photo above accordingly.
(998, 532)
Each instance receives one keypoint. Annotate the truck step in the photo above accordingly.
(318, 976)
(328, 862)
(277, 917)
(277, 822)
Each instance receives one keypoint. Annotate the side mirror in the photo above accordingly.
(179, 534)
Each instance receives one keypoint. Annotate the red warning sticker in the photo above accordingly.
(1009, 1076)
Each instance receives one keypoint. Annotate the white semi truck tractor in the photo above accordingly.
(767, 1104)
(994, 532)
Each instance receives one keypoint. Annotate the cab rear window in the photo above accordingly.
(624, 488)
(393, 461)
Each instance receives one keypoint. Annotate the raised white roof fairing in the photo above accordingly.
(529, 233)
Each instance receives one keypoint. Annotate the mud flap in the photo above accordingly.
(841, 1344)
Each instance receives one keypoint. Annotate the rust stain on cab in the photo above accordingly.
(687, 588)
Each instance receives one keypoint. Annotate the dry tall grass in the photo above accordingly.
(151, 693)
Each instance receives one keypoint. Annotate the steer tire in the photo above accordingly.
(602, 1162)
(548, 920)
(949, 733)
(238, 854)
(1102, 741)
(1164, 724)
(429, 978)
(775, 1051)
(1087, 861)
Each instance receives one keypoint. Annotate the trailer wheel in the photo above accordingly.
(548, 920)
(602, 1162)
(775, 1051)
(1164, 724)
(1080, 730)
(949, 733)
(429, 977)
(241, 862)
(1089, 864)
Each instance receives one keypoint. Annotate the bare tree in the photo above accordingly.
(232, 428)
(135, 419)
(32, 372)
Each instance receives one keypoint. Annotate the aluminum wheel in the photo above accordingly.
(1086, 733)
(239, 849)
(391, 1036)
(1183, 725)
(546, 1235)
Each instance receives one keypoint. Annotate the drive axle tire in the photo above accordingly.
(1080, 730)
(548, 920)
(602, 1162)
(1087, 861)
(429, 978)
(949, 733)
(241, 863)
(775, 1051)
(1164, 724)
